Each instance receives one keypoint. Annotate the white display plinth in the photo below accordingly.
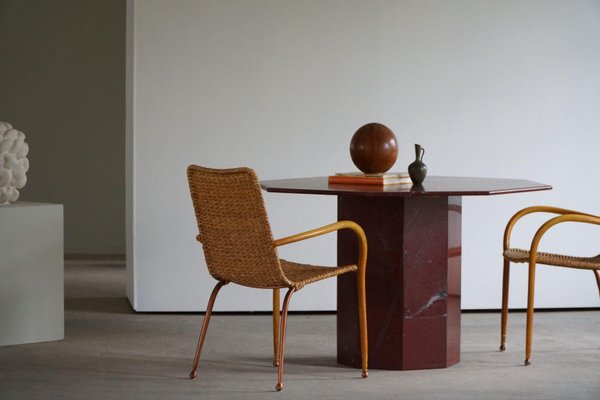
(31, 273)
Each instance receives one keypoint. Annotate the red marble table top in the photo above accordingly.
(433, 186)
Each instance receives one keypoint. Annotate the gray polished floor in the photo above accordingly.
(109, 352)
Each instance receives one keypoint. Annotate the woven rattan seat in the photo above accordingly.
(558, 260)
(239, 248)
(534, 257)
(301, 275)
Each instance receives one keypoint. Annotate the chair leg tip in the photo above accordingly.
(365, 374)
(276, 363)
(279, 387)
(527, 361)
(502, 347)
(193, 375)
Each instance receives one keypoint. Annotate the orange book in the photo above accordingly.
(359, 178)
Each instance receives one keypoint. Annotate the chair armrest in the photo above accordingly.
(529, 210)
(579, 217)
(360, 233)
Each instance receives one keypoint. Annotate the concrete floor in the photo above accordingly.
(109, 352)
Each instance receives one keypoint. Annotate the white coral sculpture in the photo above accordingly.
(13, 163)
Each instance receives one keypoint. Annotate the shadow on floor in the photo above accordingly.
(112, 305)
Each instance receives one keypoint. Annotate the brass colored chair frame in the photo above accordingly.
(212, 190)
(534, 257)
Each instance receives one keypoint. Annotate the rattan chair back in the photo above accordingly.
(233, 227)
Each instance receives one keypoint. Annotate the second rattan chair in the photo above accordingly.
(239, 247)
(533, 257)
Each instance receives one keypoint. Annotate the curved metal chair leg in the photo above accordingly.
(362, 320)
(209, 307)
(530, 302)
(284, 314)
(597, 275)
(276, 303)
(504, 315)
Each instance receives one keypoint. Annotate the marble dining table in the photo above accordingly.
(413, 275)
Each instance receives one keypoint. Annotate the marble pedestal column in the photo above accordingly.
(413, 281)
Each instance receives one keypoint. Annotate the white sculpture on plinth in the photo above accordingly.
(13, 163)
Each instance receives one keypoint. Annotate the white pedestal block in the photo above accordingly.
(31, 273)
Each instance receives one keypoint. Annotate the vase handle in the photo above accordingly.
(419, 151)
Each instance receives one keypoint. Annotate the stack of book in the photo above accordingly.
(359, 178)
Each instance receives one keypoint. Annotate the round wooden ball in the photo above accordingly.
(374, 148)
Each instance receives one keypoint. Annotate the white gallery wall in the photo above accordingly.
(501, 88)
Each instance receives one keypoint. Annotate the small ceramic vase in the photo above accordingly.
(418, 170)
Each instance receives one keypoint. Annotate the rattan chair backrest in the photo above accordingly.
(234, 228)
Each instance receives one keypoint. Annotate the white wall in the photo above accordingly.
(491, 89)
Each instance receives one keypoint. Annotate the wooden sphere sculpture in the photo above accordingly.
(374, 148)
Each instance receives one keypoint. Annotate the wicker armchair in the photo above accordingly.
(533, 257)
(239, 248)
